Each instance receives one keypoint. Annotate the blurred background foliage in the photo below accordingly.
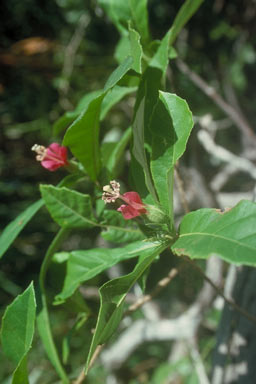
(41, 78)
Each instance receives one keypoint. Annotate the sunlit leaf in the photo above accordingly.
(230, 235)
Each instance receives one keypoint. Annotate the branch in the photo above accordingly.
(223, 154)
(184, 327)
(146, 298)
(240, 121)
(229, 301)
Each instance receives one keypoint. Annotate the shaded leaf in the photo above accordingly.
(70, 209)
(13, 229)
(18, 331)
(112, 296)
(113, 97)
(139, 149)
(135, 49)
(82, 137)
(140, 17)
(119, 73)
(85, 264)
(70, 116)
(115, 225)
(185, 13)
(230, 235)
(113, 163)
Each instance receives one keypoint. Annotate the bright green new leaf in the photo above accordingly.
(112, 296)
(171, 126)
(70, 209)
(85, 264)
(18, 330)
(230, 235)
(13, 229)
(185, 13)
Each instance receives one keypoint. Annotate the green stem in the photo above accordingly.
(43, 322)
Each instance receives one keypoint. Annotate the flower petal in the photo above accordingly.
(128, 212)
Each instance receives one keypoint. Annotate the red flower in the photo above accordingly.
(134, 207)
(52, 157)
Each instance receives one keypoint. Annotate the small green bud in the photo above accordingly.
(156, 215)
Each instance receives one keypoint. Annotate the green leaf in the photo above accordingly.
(13, 229)
(118, 73)
(112, 296)
(185, 13)
(118, 11)
(43, 322)
(140, 17)
(20, 375)
(85, 264)
(82, 137)
(18, 330)
(118, 230)
(138, 147)
(113, 163)
(230, 235)
(44, 330)
(69, 117)
(113, 97)
(135, 49)
(70, 209)
(161, 57)
(171, 125)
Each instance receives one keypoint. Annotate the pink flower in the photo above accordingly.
(52, 157)
(134, 206)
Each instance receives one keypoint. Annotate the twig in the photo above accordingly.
(180, 186)
(69, 57)
(223, 154)
(80, 378)
(182, 327)
(248, 315)
(199, 366)
(240, 121)
(145, 299)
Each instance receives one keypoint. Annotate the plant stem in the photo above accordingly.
(43, 322)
